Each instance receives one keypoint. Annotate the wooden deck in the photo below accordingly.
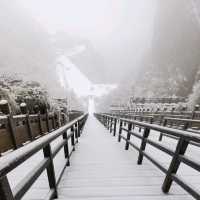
(102, 169)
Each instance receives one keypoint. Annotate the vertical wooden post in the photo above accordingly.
(161, 135)
(128, 136)
(58, 117)
(47, 122)
(53, 122)
(105, 121)
(151, 120)
(11, 126)
(50, 169)
(115, 126)
(174, 165)
(66, 148)
(29, 130)
(78, 129)
(120, 130)
(196, 108)
(108, 122)
(186, 125)
(5, 190)
(76, 132)
(111, 124)
(72, 138)
(40, 123)
(140, 128)
(143, 145)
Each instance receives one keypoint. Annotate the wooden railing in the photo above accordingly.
(74, 114)
(178, 121)
(15, 131)
(70, 131)
(169, 100)
(161, 111)
(184, 139)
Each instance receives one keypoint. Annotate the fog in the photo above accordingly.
(148, 48)
(112, 31)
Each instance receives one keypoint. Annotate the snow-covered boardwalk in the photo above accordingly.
(102, 169)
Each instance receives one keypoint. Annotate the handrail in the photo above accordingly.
(178, 122)
(178, 133)
(178, 157)
(192, 114)
(15, 158)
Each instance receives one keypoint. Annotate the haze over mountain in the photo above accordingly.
(114, 33)
(171, 64)
(151, 46)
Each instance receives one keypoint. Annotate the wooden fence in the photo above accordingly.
(69, 132)
(185, 120)
(15, 131)
(178, 155)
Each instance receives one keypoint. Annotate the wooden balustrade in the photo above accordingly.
(15, 131)
(11, 161)
(184, 121)
(178, 155)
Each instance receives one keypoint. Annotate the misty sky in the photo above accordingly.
(120, 31)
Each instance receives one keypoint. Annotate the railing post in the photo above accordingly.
(186, 125)
(161, 135)
(66, 148)
(53, 122)
(108, 122)
(76, 132)
(72, 138)
(11, 126)
(174, 165)
(79, 128)
(120, 131)
(5, 190)
(40, 123)
(115, 126)
(151, 120)
(111, 124)
(128, 136)
(50, 169)
(30, 134)
(143, 145)
(47, 122)
(140, 128)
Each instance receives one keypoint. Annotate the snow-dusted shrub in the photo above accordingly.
(6, 95)
(16, 91)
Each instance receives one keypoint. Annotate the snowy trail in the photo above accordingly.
(102, 169)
